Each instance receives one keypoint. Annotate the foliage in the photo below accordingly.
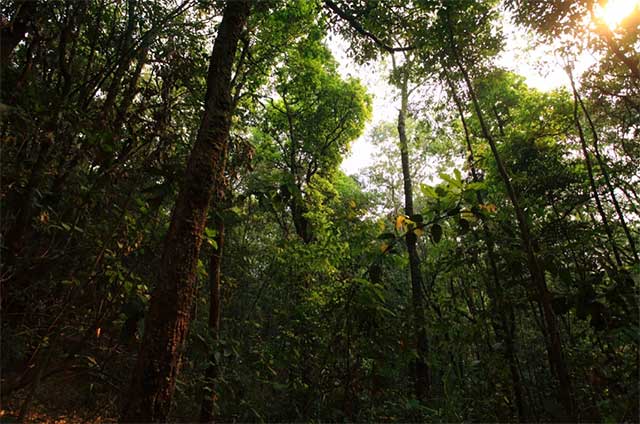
(101, 103)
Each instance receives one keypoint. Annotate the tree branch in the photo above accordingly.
(357, 26)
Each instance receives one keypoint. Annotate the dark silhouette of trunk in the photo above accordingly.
(603, 168)
(422, 379)
(592, 181)
(554, 345)
(300, 222)
(215, 308)
(12, 34)
(167, 322)
(124, 63)
(26, 205)
(505, 328)
(298, 209)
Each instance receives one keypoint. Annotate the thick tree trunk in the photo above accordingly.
(422, 377)
(151, 390)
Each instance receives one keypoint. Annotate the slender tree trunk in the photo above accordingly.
(605, 172)
(592, 181)
(209, 391)
(12, 34)
(123, 64)
(166, 325)
(422, 377)
(556, 357)
(505, 329)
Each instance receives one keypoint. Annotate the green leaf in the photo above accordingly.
(428, 191)
(452, 181)
(476, 186)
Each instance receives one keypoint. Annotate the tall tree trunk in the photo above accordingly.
(215, 308)
(556, 357)
(505, 328)
(605, 172)
(592, 181)
(166, 325)
(421, 376)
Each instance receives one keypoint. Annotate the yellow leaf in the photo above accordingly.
(489, 207)
(352, 204)
(384, 247)
(419, 232)
(44, 217)
(399, 221)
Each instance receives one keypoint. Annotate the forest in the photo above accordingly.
(180, 242)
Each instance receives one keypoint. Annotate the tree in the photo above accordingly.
(307, 126)
(168, 318)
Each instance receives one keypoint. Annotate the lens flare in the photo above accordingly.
(615, 11)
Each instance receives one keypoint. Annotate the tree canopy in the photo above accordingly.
(180, 242)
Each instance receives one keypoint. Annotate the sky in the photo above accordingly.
(537, 65)
(374, 78)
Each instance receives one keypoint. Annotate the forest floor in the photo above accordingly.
(51, 413)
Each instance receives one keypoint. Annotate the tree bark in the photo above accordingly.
(422, 379)
(209, 391)
(166, 325)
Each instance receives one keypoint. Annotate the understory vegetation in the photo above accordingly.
(179, 242)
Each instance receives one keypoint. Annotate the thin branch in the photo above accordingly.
(357, 26)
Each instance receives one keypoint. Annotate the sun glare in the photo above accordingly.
(615, 11)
